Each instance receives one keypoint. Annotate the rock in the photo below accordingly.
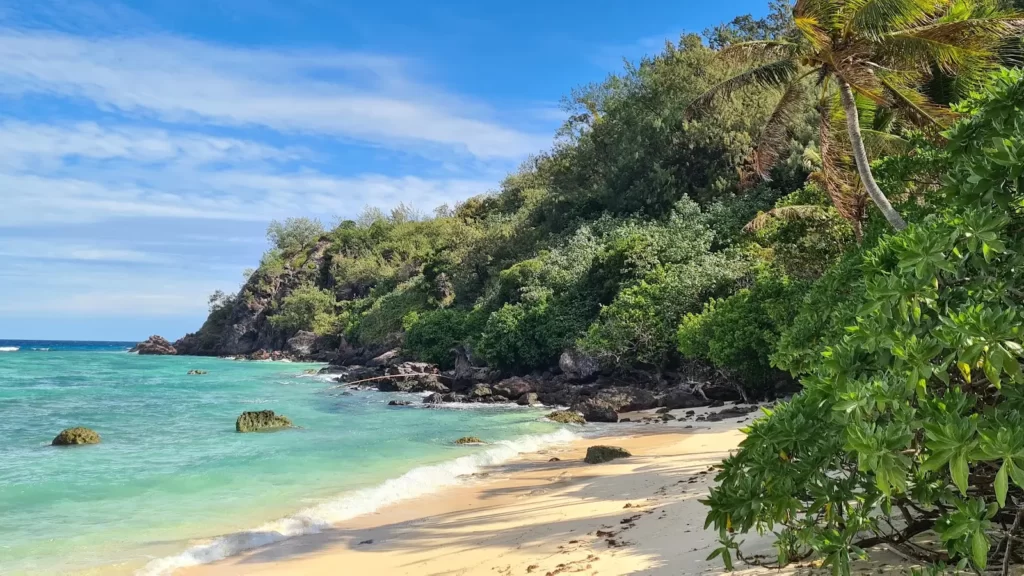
(717, 404)
(627, 399)
(155, 346)
(399, 403)
(303, 344)
(197, 372)
(76, 436)
(596, 410)
(469, 440)
(513, 388)
(388, 358)
(566, 417)
(412, 383)
(730, 412)
(480, 391)
(396, 385)
(405, 368)
(528, 399)
(599, 454)
(577, 366)
(260, 354)
(352, 373)
(681, 399)
(556, 459)
(625, 420)
(260, 421)
(449, 397)
(312, 371)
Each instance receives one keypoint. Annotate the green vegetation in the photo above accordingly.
(679, 219)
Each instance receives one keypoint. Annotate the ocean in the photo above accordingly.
(172, 484)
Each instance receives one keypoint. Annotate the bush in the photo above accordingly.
(294, 233)
(307, 308)
(640, 324)
(383, 321)
(913, 419)
(431, 336)
(521, 337)
(740, 332)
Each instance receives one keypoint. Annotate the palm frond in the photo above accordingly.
(786, 214)
(949, 44)
(823, 14)
(773, 139)
(837, 175)
(877, 17)
(772, 75)
(916, 106)
(881, 144)
(758, 51)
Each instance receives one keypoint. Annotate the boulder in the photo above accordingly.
(596, 410)
(681, 399)
(599, 454)
(76, 436)
(399, 403)
(155, 346)
(577, 366)
(353, 373)
(303, 344)
(263, 420)
(566, 417)
(469, 440)
(388, 358)
(480, 391)
(196, 372)
(528, 399)
(260, 354)
(514, 387)
(731, 412)
(627, 399)
(403, 368)
(438, 398)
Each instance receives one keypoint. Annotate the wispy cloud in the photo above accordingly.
(361, 96)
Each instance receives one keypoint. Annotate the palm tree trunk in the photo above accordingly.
(860, 156)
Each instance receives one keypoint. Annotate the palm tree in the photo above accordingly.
(876, 53)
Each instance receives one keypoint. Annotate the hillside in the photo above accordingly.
(632, 220)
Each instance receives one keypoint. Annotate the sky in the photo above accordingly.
(146, 145)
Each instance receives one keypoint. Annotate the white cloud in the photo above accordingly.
(73, 250)
(360, 96)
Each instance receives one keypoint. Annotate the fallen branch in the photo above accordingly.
(389, 376)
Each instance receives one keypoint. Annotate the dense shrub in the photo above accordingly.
(740, 332)
(432, 336)
(640, 324)
(913, 419)
(294, 233)
(307, 308)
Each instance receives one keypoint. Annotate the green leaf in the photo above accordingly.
(1002, 484)
(979, 549)
(959, 470)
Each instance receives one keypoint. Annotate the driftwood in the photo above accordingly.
(389, 376)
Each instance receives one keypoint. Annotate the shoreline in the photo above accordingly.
(533, 515)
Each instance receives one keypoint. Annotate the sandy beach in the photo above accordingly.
(538, 515)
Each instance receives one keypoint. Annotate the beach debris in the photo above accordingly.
(599, 454)
(262, 420)
(566, 417)
(197, 372)
(75, 437)
(469, 440)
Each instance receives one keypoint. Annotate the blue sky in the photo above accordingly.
(145, 145)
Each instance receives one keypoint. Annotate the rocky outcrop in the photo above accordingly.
(412, 377)
(528, 399)
(155, 346)
(596, 410)
(303, 344)
(75, 437)
(389, 358)
(469, 440)
(262, 421)
(599, 454)
(577, 366)
(566, 417)
(513, 388)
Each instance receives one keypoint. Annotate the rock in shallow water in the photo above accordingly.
(75, 437)
(469, 440)
(263, 420)
(599, 454)
(566, 417)
(155, 346)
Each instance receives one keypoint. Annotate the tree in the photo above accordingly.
(877, 52)
(293, 233)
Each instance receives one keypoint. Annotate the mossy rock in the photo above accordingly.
(469, 440)
(599, 454)
(263, 420)
(76, 436)
(567, 417)
(197, 372)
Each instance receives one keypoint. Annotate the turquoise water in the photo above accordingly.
(172, 484)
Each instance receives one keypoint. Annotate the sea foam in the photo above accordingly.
(9, 348)
(417, 482)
